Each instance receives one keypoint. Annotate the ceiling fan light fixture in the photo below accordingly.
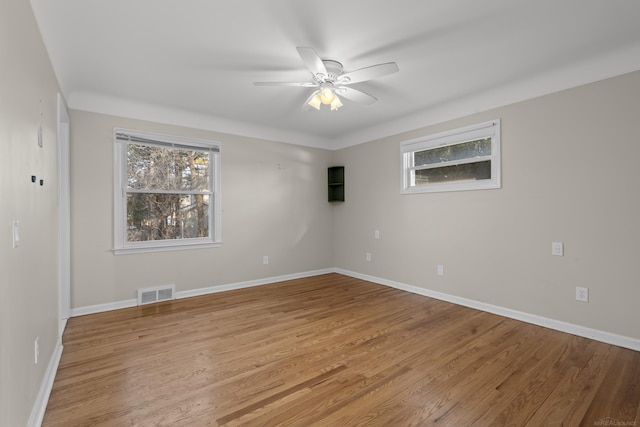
(326, 94)
(336, 103)
(315, 101)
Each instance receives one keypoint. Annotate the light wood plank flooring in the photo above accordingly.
(333, 351)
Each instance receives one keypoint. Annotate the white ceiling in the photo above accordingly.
(192, 62)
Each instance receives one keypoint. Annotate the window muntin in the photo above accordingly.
(167, 192)
(462, 159)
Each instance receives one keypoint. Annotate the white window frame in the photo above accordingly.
(121, 245)
(489, 129)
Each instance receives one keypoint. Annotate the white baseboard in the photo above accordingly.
(40, 405)
(98, 308)
(558, 325)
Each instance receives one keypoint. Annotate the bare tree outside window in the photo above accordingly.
(157, 206)
(480, 148)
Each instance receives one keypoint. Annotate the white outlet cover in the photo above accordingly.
(440, 270)
(557, 248)
(368, 256)
(582, 294)
(265, 259)
(376, 234)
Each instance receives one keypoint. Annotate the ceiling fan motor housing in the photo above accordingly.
(334, 70)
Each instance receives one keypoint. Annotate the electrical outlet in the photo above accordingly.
(36, 350)
(368, 256)
(376, 234)
(582, 294)
(440, 270)
(265, 259)
(557, 248)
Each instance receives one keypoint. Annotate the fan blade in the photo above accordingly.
(369, 73)
(299, 84)
(355, 95)
(312, 61)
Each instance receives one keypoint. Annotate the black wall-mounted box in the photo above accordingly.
(336, 183)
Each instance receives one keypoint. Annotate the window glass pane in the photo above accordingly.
(466, 150)
(167, 216)
(164, 168)
(454, 173)
(193, 169)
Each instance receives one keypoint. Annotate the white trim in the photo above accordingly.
(172, 246)
(99, 308)
(40, 405)
(558, 325)
(64, 214)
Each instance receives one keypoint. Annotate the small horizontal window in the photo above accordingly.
(461, 159)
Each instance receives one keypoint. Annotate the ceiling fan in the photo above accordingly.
(332, 82)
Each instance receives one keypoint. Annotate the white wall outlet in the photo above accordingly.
(557, 248)
(16, 233)
(265, 260)
(40, 136)
(376, 234)
(582, 294)
(36, 350)
(368, 256)
(440, 270)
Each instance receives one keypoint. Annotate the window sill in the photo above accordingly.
(164, 248)
(443, 188)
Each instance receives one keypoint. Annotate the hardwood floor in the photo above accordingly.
(333, 351)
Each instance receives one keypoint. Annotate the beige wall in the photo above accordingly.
(570, 173)
(274, 203)
(28, 274)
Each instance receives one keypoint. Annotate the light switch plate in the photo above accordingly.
(16, 233)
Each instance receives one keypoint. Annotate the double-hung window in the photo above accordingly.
(461, 159)
(167, 192)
